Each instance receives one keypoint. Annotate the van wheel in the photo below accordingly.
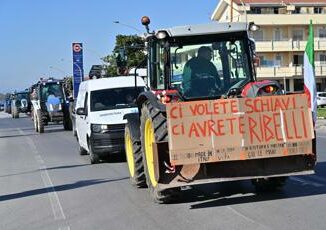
(134, 159)
(154, 129)
(74, 129)
(95, 159)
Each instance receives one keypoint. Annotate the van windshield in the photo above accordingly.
(117, 98)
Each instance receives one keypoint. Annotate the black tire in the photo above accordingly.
(40, 124)
(94, 158)
(159, 124)
(74, 132)
(82, 151)
(271, 184)
(35, 123)
(138, 179)
(67, 124)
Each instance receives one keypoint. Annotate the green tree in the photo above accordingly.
(67, 84)
(130, 49)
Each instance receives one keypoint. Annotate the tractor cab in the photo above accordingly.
(201, 61)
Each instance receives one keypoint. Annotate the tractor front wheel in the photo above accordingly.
(154, 129)
(134, 158)
(40, 124)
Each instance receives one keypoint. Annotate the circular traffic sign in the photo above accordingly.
(77, 47)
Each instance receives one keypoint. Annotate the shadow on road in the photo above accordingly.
(54, 130)
(50, 168)
(58, 188)
(67, 166)
(240, 192)
(18, 135)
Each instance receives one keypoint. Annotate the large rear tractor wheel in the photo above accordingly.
(271, 184)
(134, 159)
(40, 124)
(154, 129)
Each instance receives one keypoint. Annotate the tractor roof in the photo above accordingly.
(206, 29)
(48, 80)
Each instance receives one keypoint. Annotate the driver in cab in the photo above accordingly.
(200, 77)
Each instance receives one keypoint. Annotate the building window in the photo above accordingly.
(258, 35)
(267, 10)
(278, 60)
(322, 59)
(322, 33)
(297, 59)
(318, 10)
(297, 34)
(255, 10)
(277, 35)
(297, 10)
(298, 84)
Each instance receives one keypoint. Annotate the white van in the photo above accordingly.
(100, 107)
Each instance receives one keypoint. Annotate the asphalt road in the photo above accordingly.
(45, 184)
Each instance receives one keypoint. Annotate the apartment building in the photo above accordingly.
(282, 38)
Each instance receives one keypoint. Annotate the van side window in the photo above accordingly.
(86, 103)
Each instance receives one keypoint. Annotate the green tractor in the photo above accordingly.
(19, 103)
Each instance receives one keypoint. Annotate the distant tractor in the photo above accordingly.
(49, 104)
(19, 103)
(206, 119)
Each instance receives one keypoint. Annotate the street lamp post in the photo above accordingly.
(58, 69)
(129, 26)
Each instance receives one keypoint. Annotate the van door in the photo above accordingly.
(82, 125)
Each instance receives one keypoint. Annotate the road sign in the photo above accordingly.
(78, 70)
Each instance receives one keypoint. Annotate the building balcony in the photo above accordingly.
(288, 45)
(287, 72)
(283, 19)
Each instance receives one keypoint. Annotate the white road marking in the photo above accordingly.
(321, 136)
(64, 228)
(318, 178)
(306, 182)
(47, 182)
(247, 218)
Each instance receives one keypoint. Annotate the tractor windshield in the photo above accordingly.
(209, 69)
(51, 90)
(21, 96)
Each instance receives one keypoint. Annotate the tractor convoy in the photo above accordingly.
(199, 116)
